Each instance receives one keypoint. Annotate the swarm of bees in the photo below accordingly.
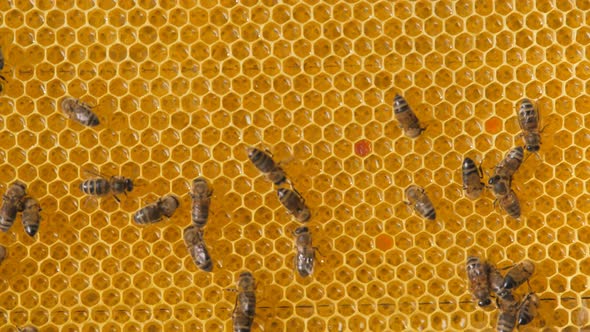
(295, 205)
(485, 279)
(245, 307)
(16, 200)
(501, 181)
(193, 234)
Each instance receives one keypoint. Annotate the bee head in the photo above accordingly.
(494, 179)
(129, 184)
(484, 303)
(301, 230)
(532, 148)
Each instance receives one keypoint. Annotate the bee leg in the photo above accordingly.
(297, 192)
(3, 78)
(545, 126)
(423, 129)
(267, 150)
(480, 171)
(117, 199)
(318, 250)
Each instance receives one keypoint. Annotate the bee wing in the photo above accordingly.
(89, 171)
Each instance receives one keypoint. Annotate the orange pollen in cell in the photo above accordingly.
(362, 148)
(493, 125)
(384, 242)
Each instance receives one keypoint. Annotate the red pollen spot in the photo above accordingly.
(362, 148)
(494, 125)
(384, 242)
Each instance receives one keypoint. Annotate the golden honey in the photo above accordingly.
(183, 87)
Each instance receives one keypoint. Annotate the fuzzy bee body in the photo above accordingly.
(201, 195)
(406, 117)
(528, 119)
(28, 328)
(472, 179)
(477, 275)
(1, 68)
(519, 274)
(12, 202)
(511, 163)
(304, 259)
(102, 186)
(265, 164)
(420, 201)
(508, 310)
(528, 309)
(500, 185)
(79, 112)
(1, 59)
(96, 187)
(245, 308)
(153, 213)
(496, 280)
(31, 216)
(193, 238)
(511, 204)
(294, 203)
(3, 253)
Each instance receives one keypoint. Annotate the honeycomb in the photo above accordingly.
(183, 87)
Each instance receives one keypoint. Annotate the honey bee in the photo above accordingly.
(101, 186)
(12, 203)
(1, 68)
(508, 309)
(294, 203)
(518, 274)
(79, 112)
(263, 161)
(510, 204)
(472, 179)
(496, 280)
(28, 328)
(31, 217)
(528, 309)
(305, 251)
(153, 213)
(500, 185)
(528, 119)
(201, 196)
(510, 164)
(193, 238)
(406, 117)
(420, 201)
(477, 275)
(3, 253)
(245, 308)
